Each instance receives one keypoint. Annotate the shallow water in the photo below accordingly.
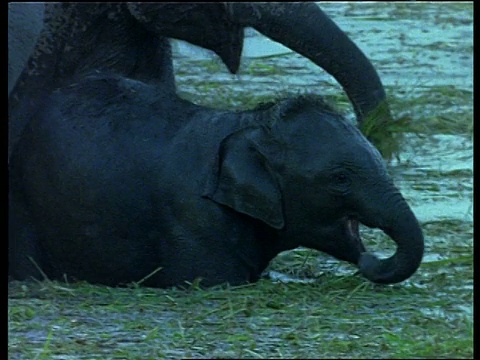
(437, 178)
(421, 45)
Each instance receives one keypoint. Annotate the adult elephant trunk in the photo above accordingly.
(307, 30)
(397, 220)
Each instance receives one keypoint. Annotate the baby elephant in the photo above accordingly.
(114, 179)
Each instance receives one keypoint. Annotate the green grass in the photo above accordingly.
(336, 316)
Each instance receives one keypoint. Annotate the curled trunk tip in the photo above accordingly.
(391, 270)
(398, 222)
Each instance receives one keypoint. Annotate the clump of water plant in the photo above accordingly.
(384, 131)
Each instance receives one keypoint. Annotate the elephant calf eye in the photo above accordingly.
(342, 178)
(340, 183)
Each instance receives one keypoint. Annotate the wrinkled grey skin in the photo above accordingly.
(114, 178)
(25, 21)
(130, 40)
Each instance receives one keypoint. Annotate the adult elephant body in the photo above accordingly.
(130, 39)
(115, 178)
(127, 39)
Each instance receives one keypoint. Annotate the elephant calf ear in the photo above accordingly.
(242, 180)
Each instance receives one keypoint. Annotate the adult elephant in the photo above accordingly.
(115, 179)
(129, 39)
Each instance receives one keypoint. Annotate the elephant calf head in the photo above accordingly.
(305, 171)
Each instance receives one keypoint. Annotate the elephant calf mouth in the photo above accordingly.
(352, 228)
(355, 241)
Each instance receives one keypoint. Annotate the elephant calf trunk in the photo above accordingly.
(403, 264)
